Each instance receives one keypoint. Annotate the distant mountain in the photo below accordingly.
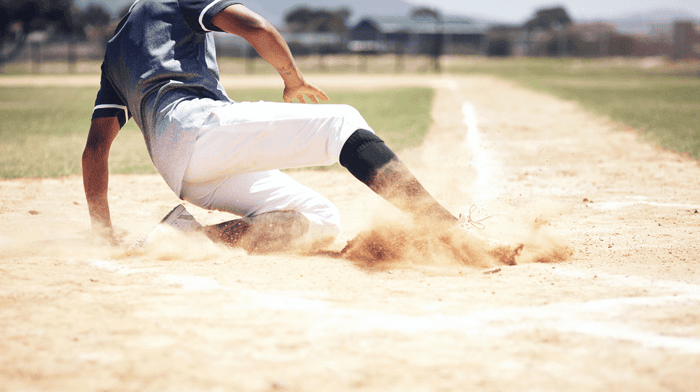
(274, 10)
(648, 22)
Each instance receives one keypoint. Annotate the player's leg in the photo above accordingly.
(269, 232)
(277, 212)
(262, 135)
(250, 137)
(369, 159)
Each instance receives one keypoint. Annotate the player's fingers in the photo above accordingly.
(301, 98)
(313, 98)
(323, 96)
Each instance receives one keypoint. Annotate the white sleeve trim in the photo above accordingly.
(204, 11)
(110, 106)
(132, 6)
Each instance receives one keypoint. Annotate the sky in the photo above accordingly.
(516, 11)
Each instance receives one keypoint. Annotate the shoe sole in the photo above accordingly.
(173, 215)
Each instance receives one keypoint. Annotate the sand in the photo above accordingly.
(604, 296)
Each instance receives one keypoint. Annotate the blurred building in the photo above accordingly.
(228, 45)
(595, 39)
(550, 33)
(417, 35)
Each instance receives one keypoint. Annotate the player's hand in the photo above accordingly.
(314, 93)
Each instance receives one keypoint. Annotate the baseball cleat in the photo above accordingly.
(178, 219)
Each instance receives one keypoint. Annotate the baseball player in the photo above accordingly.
(160, 68)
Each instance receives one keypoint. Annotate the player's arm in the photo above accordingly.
(267, 41)
(103, 130)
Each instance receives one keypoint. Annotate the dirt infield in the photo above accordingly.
(621, 313)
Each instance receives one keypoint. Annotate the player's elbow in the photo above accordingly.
(95, 145)
(92, 156)
(96, 151)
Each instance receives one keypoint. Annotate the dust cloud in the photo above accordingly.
(391, 244)
(175, 245)
(416, 244)
(172, 245)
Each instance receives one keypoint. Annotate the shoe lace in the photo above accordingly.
(469, 221)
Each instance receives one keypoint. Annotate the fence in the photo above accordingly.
(686, 40)
(42, 54)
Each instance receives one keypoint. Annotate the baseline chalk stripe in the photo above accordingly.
(617, 205)
(653, 286)
(254, 299)
(588, 318)
(602, 319)
(484, 188)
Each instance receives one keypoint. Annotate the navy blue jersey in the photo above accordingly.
(162, 53)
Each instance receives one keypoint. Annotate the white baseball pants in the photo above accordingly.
(238, 151)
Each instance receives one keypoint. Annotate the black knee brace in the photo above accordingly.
(363, 154)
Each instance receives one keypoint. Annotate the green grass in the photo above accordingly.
(43, 130)
(661, 102)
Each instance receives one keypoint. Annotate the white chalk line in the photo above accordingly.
(582, 318)
(658, 286)
(482, 189)
(199, 283)
(591, 318)
(618, 205)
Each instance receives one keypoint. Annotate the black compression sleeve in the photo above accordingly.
(363, 154)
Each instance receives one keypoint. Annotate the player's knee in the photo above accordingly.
(197, 195)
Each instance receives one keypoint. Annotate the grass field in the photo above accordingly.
(43, 135)
(661, 101)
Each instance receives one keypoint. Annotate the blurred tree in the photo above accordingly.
(123, 11)
(437, 40)
(548, 19)
(96, 23)
(37, 15)
(307, 20)
(6, 18)
(20, 17)
(94, 15)
(426, 13)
